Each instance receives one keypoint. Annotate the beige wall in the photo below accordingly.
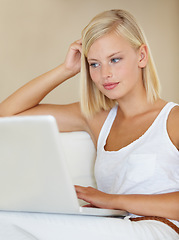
(35, 35)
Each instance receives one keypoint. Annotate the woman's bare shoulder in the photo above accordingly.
(173, 126)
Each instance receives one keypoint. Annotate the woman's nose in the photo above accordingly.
(106, 71)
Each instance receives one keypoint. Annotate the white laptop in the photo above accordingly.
(33, 171)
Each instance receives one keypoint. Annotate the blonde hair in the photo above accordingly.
(124, 24)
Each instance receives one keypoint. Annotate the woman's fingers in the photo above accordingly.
(73, 57)
(93, 196)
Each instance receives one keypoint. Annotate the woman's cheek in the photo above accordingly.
(93, 76)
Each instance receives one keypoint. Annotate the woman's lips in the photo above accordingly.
(110, 86)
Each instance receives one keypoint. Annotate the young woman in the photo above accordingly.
(135, 132)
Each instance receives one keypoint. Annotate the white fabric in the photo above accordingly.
(80, 153)
(30, 226)
(149, 165)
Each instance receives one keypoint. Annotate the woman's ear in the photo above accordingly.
(143, 56)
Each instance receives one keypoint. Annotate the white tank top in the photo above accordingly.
(149, 165)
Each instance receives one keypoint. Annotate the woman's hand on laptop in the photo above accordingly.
(95, 198)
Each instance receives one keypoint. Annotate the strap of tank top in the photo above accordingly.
(111, 117)
(168, 107)
(164, 115)
(106, 127)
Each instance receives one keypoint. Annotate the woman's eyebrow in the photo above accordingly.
(114, 54)
(111, 55)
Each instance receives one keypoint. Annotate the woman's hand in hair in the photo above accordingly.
(73, 59)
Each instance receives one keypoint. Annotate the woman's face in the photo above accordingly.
(114, 66)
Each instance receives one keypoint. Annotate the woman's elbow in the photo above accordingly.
(5, 111)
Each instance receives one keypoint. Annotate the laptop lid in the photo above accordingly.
(33, 173)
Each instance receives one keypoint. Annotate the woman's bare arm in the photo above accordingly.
(173, 126)
(161, 205)
(31, 94)
(26, 100)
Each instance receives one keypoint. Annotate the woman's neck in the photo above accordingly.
(136, 106)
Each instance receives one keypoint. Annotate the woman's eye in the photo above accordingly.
(115, 60)
(94, 65)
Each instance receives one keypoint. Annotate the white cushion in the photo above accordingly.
(80, 154)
